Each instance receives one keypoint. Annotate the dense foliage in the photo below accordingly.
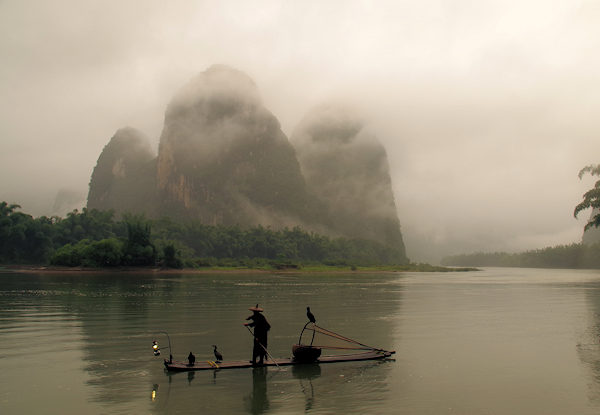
(591, 198)
(563, 256)
(95, 238)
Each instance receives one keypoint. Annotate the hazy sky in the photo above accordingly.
(488, 109)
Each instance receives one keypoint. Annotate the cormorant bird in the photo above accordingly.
(310, 315)
(218, 355)
(191, 359)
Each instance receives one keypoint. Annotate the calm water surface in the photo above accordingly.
(499, 341)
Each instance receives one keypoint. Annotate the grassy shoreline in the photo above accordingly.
(308, 269)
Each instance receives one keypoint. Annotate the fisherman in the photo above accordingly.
(191, 359)
(261, 327)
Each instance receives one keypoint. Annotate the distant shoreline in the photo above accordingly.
(42, 269)
(50, 269)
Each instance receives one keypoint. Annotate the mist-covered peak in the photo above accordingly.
(219, 92)
(126, 151)
(123, 178)
(223, 158)
(132, 142)
(346, 168)
(330, 123)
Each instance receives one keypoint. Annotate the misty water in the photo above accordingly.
(498, 341)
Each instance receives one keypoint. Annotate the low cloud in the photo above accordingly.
(487, 110)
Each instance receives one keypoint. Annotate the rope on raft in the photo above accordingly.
(317, 329)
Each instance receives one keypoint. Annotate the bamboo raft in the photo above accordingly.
(349, 350)
(241, 364)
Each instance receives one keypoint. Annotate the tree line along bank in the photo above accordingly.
(95, 238)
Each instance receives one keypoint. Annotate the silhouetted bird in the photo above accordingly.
(218, 355)
(310, 315)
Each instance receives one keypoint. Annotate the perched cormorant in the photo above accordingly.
(218, 355)
(310, 315)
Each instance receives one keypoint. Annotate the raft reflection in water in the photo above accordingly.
(258, 402)
(305, 374)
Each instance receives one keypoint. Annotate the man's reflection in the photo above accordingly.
(257, 402)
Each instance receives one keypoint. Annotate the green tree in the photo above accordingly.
(104, 253)
(139, 249)
(71, 255)
(23, 238)
(171, 256)
(591, 198)
(88, 224)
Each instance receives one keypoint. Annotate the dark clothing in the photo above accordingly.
(261, 327)
(191, 359)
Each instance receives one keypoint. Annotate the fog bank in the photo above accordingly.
(486, 109)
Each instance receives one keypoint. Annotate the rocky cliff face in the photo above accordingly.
(223, 157)
(346, 168)
(124, 177)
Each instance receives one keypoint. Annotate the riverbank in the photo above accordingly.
(51, 269)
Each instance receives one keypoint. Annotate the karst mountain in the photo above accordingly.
(224, 160)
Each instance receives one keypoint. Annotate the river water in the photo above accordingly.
(497, 341)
